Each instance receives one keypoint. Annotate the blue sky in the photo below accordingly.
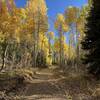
(59, 6)
(55, 7)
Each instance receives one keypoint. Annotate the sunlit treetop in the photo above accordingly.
(71, 14)
(37, 6)
(10, 4)
(60, 23)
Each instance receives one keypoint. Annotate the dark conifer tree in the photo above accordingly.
(91, 42)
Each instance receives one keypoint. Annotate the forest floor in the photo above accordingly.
(52, 84)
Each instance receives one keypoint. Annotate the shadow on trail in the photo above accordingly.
(42, 88)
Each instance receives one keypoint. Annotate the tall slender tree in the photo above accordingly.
(38, 10)
(50, 37)
(61, 27)
(71, 15)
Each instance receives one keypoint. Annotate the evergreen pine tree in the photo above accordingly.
(91, 42)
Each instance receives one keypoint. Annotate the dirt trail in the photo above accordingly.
(44, 87)
(50, 86)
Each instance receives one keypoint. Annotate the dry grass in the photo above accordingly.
(80, 87)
